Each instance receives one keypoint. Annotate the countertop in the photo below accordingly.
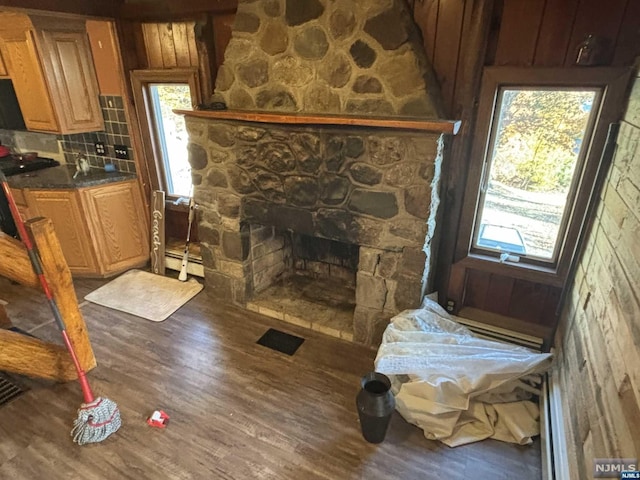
(61, 177)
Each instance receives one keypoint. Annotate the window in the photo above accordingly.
(536, 151)
(536, 148)
(156, 94)
(171, 132)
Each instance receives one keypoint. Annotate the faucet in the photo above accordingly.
(82, 165)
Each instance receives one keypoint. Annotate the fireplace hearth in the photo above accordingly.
(308, 281)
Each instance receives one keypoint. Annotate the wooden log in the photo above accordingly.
(16, 265)
(58, 275)
(29, 356)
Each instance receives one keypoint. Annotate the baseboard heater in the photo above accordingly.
(555, 461)
(491, 332)
(173, 261)
(552, 435)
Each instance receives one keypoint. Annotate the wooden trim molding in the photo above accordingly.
(102, 8)
(449, 127)
(168, 9)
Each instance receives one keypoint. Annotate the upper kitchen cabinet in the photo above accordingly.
(3, 69)
(49, 61)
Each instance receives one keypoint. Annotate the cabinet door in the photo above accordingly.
(118, 224)
(21, 57)
(3, 68)
(72, 79)
(63, 207)
(21, 203)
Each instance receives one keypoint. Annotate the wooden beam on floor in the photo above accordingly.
(58, 275)
(29, 356)
(16, 265)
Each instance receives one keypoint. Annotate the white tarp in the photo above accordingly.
(456, 387)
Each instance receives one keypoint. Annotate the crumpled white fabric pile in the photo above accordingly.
(456, 387)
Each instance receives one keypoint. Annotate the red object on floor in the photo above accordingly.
(158, 419)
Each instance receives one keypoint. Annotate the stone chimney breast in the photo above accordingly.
(327, 56)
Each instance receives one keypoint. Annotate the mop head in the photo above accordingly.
(96, 421)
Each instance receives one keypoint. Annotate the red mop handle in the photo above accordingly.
(87, 393)
(37, 267)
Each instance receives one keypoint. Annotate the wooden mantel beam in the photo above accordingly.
(449, 127)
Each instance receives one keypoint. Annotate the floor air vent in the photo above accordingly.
(8, 390)
(280, 341)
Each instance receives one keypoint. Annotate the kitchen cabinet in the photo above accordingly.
(115, 218)
(64, 208)
(49, 61)
(3, 69)
(101, 228)
(21, 203)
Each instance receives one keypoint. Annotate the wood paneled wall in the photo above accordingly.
(441, 24)
(200, 44)
(527, 33)
(529, 301)
(222, 25)
(170, 44)
(598, 363)
(547, 33)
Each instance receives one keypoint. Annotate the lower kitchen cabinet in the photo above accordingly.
(102, 229)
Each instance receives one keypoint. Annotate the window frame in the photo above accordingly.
(613, 82)
(140, 80)
(489, 156)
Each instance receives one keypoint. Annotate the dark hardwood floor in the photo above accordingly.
(238, 410)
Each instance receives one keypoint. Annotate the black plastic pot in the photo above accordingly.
(375, 404)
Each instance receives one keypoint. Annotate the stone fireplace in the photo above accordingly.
(326, 226)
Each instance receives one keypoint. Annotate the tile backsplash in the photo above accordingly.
(64, 148)
(116, 133)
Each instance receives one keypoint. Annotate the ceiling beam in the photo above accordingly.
(173, 9)
(94, 8)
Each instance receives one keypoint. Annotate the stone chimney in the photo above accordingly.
(350, 57)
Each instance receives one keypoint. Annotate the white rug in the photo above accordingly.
(145, 294)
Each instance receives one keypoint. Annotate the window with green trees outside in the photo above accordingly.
(534, 155)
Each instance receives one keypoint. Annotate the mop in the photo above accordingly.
(97, 417)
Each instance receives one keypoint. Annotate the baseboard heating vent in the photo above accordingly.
(173, 261)
(491, 332)
(555, 461)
